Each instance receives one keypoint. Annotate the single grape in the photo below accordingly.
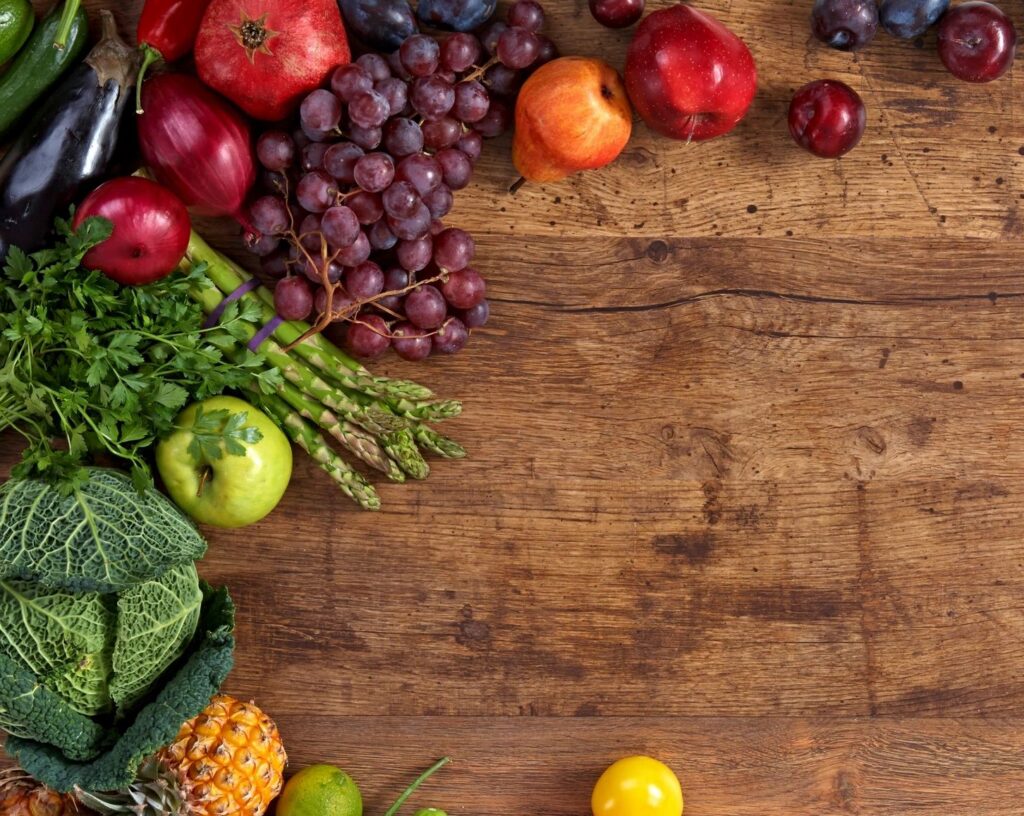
(464, 289)
(455, 15)
(477, 316)
(440, 133)
(369, 109)
(526, 14)
(460, 51)
(357, 252)
(300, 138)
(262, 245)
(420, 55)
(309, 235)
(381, 237)
(439, 201)
(293, 299)
(497, 120)
(366, 138)
(348, 81)
(381, 24)
(489, 36)
(396, 279)
(471, 143)
(375, 65)
(421, 170)
(364, 281)
(396, 92)
(518, 47)
(451, 337)
(432, 97)
(269, 214)
(410, 342)
(502, 80)
(425, 307)
(412, 226)
(366, 206)
(368, 336)
(548, 51)
(471, 102)
(320, 110)
(402, 137)
(274, 265)
(312, 156)
(340, 226)
(400, 200)
(456, 168)
(374, 172)
(340, 160)
(276, 150)
(453, 249)
(316, 191)
(415, 255)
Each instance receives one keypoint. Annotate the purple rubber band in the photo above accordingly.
(264, 333)
(216, 314)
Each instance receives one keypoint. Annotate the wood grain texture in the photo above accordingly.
(744, 479)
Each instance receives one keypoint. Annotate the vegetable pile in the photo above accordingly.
(108, 640)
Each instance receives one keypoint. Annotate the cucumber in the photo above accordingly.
(39, 65)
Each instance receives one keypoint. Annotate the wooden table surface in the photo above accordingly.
(744, 484)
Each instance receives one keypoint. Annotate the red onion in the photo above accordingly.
(196, 144)
(151, 230)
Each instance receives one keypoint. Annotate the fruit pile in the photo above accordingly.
(976, 42)
(349, 228)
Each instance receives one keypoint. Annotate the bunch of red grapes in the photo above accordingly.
(350, 229)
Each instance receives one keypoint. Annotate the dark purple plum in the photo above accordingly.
(848, 25)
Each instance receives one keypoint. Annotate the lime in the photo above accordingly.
(320, 790)
(16, 21)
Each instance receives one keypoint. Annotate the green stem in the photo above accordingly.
(423, 777)
(149, 56)
(67, 20)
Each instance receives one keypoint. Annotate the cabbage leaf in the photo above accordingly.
(102, 537)
(155, 622)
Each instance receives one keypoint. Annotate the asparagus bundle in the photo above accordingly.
(378, 421)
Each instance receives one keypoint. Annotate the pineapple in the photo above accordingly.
(21, 795)
(228, 761)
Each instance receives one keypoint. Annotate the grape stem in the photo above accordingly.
(476, 73)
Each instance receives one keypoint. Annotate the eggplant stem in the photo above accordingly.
(149, 56)
(67, 19)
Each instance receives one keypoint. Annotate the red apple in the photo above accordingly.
(688, 75)
(827, 117)
(977, 42)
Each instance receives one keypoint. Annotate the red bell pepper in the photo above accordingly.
(167, 30)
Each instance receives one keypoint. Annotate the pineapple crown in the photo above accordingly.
(155, 792)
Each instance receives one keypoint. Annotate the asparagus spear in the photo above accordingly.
(304, 435)
(401, 446)
(431, 440)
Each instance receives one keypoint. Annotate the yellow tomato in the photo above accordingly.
(638, 786)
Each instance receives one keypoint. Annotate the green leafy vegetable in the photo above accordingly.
(64, 640)
(31, 712)
(104, 537)
(155, 725)
(214, 432)
(155, 622)
(104, 367)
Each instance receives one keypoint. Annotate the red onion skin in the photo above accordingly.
(196, 144)
(151, 230)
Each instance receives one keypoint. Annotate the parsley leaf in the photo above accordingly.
(214, 432)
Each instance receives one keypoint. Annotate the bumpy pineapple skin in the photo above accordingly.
(230, 759)
(20, 795)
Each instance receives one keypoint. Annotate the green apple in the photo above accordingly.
(226, 463)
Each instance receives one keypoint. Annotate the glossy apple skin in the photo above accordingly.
(238, 490)
(572, 114)
(977, 42)
(827, 117)
(617, 13)
(688, 76)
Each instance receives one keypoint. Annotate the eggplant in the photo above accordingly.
(68, 145)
